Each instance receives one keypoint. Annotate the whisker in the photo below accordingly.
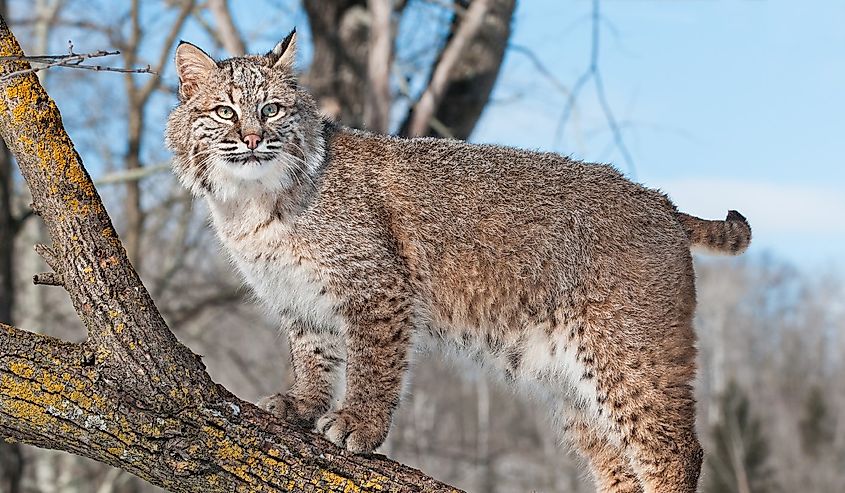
(304, 168)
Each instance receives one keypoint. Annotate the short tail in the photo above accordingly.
(731, 236)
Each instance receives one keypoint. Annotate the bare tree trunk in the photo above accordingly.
(485, 459)
(8, 231)
(337, 76)
(465, 72)
(349, 74)
(377, 107)
(470, 24)
(138, 96)
(132, 396)
(11, 467)
(475, 72)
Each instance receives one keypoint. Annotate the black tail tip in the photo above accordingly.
(736, 216)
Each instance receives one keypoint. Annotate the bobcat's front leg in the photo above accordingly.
(317, 356)
(377, 345)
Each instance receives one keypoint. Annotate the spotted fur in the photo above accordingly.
(566, 281)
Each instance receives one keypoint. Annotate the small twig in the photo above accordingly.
(48, 279)
(49, 256)
(541, 68)
(70, 60)
(51, 58)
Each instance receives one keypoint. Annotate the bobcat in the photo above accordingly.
(562, 279)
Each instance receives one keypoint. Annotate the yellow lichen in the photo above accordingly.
(375, 483)
(26, 103)
(336, 482)
(22, 369)
(24, 400)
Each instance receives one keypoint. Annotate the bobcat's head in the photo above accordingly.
(243, 125)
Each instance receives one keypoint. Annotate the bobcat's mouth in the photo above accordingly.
(250, 158)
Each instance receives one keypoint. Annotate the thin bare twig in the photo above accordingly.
(540, 67)
(592, 73)
(69, 60)
(131, 175)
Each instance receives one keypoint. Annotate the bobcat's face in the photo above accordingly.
(242, 125)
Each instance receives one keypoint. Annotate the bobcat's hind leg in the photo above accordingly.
(611, 471)
(660, 438)
(651, 405)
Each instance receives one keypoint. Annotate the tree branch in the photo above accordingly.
(379, 59)
(226, 31)
(430, 99)
(71, 60)
(475, 72)
(593, 73)
(166, 50)
(132, 396)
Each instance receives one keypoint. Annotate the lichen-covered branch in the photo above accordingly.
(132, 396)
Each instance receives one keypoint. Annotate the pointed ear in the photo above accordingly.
(283, 55)
(193, 66)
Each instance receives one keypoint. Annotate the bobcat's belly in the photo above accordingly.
(538, 362)
(290, 288)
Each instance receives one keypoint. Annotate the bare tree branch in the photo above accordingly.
(377, 107)
(137, 100)
(593, 73)
(48, 279)
(132, 175)
(132, 396)
(226, 31)
(428, 102)
(166, 49)
(71, 60)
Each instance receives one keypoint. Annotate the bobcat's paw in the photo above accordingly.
(349, 430)
(291, 409)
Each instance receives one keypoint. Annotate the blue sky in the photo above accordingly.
(723, 104)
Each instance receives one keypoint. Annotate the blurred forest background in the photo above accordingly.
(772, 333)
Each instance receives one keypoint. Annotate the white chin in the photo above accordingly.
(252, 170)
(235, 180)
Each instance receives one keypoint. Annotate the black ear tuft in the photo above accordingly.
(735, 216)
(283, 54)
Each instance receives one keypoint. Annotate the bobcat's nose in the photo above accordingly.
(252, 140)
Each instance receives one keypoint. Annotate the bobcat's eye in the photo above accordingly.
(270, 110)
(225, 112)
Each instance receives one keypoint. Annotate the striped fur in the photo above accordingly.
(564, 280)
